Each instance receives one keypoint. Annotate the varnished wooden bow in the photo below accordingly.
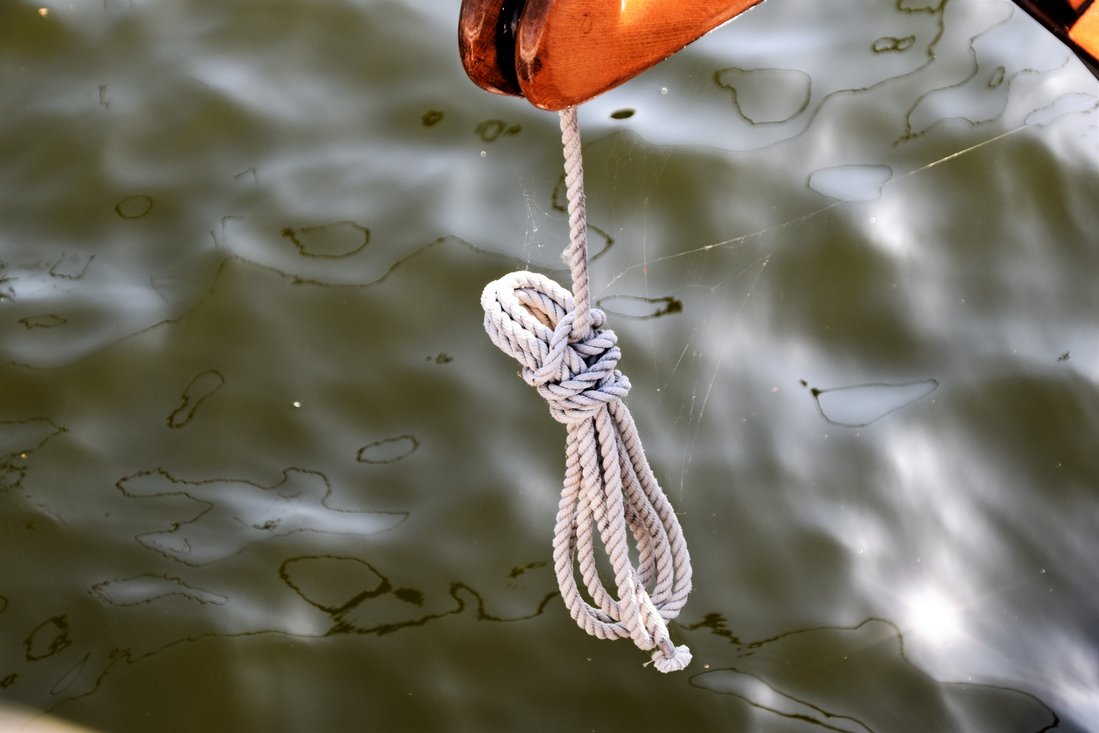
(559, 53)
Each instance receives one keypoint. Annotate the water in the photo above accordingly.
(261, 469)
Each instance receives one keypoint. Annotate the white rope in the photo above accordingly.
(572, 361)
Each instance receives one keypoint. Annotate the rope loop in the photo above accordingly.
(572, 361)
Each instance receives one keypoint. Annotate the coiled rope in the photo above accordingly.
(571, 360)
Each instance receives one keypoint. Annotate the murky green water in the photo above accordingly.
(261, 469)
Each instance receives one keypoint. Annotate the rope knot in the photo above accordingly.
(532, 318)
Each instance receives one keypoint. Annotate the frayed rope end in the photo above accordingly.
(674, 663)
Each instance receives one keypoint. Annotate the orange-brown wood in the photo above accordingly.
(569, 51)
(478, 21)
(1086, 32)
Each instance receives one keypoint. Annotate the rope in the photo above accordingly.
(571, 360)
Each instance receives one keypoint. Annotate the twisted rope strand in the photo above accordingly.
(576, 254)
(571, 360)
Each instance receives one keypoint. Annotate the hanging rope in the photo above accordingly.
(571, 360)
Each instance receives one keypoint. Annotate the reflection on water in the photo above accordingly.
(233, 514)
(260, 469)
(851, 182)
(859, 405)
(849, 661)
